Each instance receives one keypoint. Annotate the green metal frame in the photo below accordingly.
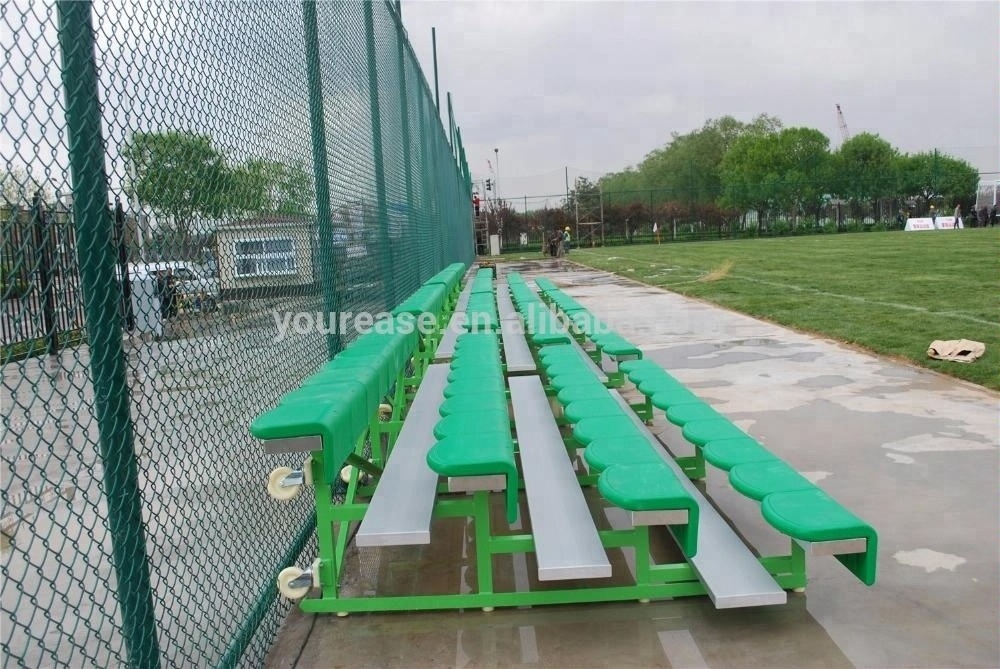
(336, 520)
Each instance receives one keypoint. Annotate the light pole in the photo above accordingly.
(496, 190)
(496, 195)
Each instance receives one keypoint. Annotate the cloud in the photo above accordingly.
(600, 84)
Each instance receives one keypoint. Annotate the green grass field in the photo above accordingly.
(892, 293)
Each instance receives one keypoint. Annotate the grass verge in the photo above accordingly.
(892, 293)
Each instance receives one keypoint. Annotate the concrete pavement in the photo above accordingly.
(912, 452)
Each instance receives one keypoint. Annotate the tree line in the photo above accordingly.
(792, 172)
(729, 172)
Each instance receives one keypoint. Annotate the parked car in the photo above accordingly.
(191, 282)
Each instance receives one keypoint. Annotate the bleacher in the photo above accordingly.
(504, 401)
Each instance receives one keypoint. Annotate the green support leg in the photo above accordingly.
(484, 549)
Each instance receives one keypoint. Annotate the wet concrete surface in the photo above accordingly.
(911, 451)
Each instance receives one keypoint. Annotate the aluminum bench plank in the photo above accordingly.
(400, 511)
(567, 545)
(505, 307)
(516, 352)
(730, 571)
(446, 349)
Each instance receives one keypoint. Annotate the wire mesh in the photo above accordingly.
(217, 262)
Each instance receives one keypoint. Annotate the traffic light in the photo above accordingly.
(489, 185)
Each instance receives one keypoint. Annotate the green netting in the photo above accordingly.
(189, 191)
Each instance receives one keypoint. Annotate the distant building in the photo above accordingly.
(988, 194)
(270, 255)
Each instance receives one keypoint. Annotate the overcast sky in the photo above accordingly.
(595, 86)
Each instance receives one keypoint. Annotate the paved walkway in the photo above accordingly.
(913, 452)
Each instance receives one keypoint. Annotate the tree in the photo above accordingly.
(18, 188)
(180, 175)
(687, 167)
(584, 201)
(938, 178)
(864, 168)
(785, 171)
(262, 187)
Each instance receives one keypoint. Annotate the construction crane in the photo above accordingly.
(844, 132)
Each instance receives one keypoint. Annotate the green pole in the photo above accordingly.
(330, 257)
(107, 357)
(451, 126)
(388, 271)
(430, 222)
(437, 92)
(411, 275)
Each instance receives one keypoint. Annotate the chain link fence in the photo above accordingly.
(192, 192)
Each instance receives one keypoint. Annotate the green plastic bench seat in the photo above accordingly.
(682, 414)
(337, 426)
(574, 379)
(589, 430)
(727, 453)
(652, 487)
(495, 420)
(473, 403)
(369, 375)
(482, 454)
(630, 366)
(471, 372)
(474, 386)
(602, 453)
(812, 515)
(652, 384)
(760, 478)
(474, 359)
(450, 276)
(648, 373)
(567, 367)
(546, 338)
(675, 396)
(557, 351)
(700, 432)
(426, 299)
(618, 346)
(545, 285)
(341, 391)
(580, 409)
(588, 391)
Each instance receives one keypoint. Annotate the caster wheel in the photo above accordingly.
(644, 601)
(345, 473)
(343, 614)
(384, 410)
(487, 609)
(285, 578)
(278, 491)
(798, 590)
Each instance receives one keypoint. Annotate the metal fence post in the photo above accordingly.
(404, 115)
(428, 181)
(123, 265)
(330, 271)
(388, 275)
(42, 232)
(101, 300)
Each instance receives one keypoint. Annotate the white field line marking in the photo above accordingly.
(815, 291)
(854, 298)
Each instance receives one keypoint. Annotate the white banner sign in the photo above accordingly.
(919, 224)
(940, 223)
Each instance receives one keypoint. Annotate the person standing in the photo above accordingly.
(565, 241)
(958, 214)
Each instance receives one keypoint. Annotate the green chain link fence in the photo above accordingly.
(190, 190)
